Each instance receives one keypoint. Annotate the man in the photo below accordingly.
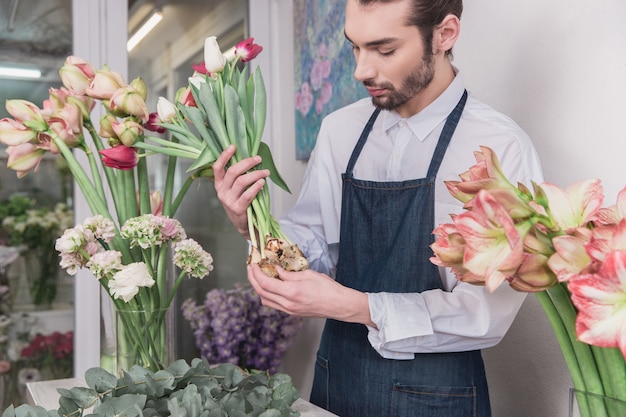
(401, 337)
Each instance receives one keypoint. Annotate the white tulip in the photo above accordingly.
(214, 60)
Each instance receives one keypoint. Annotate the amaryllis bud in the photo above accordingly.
(128, 101)
(23, 158)
(120, 157)
(27, 113)
(214, 60)
(139, 85)
(128, 131)
(106, 126)
(76, 74)
(13, 133)
(104, 84)
(247, 50)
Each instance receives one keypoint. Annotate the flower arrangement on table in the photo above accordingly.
(560, 244)
(233, 326)
(33, 229)
(127, 241)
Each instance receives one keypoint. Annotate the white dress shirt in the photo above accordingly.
(464, 316)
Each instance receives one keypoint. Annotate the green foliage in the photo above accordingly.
(196, 390)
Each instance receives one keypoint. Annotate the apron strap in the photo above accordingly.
(446, 135)
(362, 139)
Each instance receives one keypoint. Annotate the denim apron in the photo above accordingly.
(385, 237)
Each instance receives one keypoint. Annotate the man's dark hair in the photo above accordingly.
(426, 15)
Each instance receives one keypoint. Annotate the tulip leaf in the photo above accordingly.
(206, 157)
(197, 118)
(246, 107)
(268, 163)
(260, 104)
(206, 99)
(182, 134)
(235, 122)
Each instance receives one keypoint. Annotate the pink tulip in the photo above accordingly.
(575, 206)
(153, 123)
(120, 157)
(493, 242)
(247, 50)
(185, 97)
(599, 298)
(13, 133)
(24, 158)
(76, 74)
(129, 101)
(104, 84)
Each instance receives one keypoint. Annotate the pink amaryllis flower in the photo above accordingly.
(600, 300)
(493, 242)
(486, 174)
(120, 157)
(574, 206)
(615, 213)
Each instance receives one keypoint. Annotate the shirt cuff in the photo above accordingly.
(398, 318)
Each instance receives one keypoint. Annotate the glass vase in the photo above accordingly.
(42, 273)
(586, 404)
(137, 337)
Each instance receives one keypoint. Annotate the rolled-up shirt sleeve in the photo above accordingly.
(466, 318)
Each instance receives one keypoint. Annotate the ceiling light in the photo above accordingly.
(144, 30)
(19, 72)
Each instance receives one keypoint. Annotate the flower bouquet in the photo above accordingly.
(132, 235)
(559, 244)
(232, 326)
(225, 105)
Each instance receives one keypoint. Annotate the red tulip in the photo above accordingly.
(120, 157)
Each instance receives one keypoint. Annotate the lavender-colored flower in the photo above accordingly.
(192, 259)
(233, 326)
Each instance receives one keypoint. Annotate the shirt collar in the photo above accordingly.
(424, 122)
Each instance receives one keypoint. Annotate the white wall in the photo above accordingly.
(557, 67)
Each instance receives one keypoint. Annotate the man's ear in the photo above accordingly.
(446, 34)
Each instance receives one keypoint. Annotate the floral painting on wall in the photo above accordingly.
(323, 68)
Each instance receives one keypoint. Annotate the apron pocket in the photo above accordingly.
(319, 391)
(432, 401)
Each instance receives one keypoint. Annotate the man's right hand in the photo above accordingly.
(237, 186)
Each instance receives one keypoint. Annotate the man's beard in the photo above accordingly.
(415, 82)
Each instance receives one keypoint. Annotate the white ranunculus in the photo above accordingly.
(214, 59)
(125, 283)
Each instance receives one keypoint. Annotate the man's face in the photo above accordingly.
(390, 58)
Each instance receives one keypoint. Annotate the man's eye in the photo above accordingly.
(386, 53)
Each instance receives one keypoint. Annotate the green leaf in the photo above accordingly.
(128, 405)
(260, 106)
(197, 118)
(100, 380)
(82, 397)
(26, 410)
(206, 157)
(235, 122)
(207, 100)
(268, 163)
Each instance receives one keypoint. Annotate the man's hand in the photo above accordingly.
(237, 186)
(310, 294)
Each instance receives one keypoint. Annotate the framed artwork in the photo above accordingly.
(324, 65)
